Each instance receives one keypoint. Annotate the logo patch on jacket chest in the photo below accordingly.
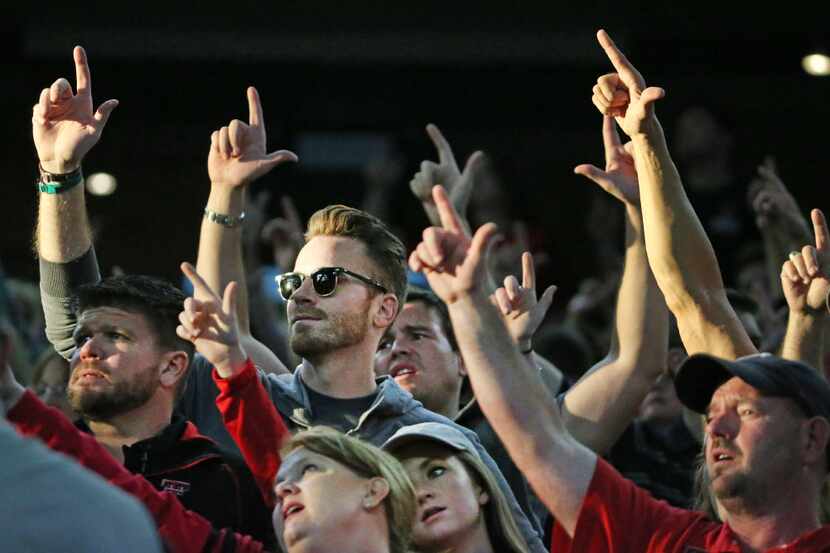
(176, 487)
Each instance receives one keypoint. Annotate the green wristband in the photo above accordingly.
(49, 183)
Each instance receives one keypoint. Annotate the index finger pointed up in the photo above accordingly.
(445, 154)
(83, 80)
(449, 217)
(199, 284)
(528, 271)
(255, 117)
(820, 230)
(627, 72)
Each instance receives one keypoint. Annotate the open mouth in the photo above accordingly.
(402, 370)
(431, 512)
(722, 456)
(291, 509)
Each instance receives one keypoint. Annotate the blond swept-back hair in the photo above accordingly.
(501, 526)
(367, 461)
(384, 248)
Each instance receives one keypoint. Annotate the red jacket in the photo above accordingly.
(252, 420)
(184, 531)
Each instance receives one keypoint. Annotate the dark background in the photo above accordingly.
(512, 79)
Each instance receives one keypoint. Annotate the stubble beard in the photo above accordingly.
(121, 397)
(729, 486)
(338, 332)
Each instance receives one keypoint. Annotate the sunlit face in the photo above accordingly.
(450, 502)
(751, 441)
(319, 325)
(116, 365)
(319, 501)
(416, 352)
(51, 388)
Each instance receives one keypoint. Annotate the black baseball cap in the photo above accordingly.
(700, 375)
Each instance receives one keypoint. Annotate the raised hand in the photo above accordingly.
(624, 94)
(458, 184)
(805, 277)
(522, 312)
(64, 126)
(774, 205)
(620, 177)
(285, 234)
(238, 153)
(454, 264)
(211, 324)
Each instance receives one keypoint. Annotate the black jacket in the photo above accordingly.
(206, 478)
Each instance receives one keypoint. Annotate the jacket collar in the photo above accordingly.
(391, 399)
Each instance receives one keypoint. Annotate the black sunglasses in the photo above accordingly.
(324, 281)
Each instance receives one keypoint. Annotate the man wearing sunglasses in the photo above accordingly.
(345, 292)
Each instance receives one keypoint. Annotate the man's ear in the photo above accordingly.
(817, 434)
(483, 496)
(387, 311)
(462, 368)
(173, 367)
(377, 489)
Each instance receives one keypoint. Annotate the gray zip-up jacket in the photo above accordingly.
(392, 409)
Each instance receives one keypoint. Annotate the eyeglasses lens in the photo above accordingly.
(325, 281)
(288, 284)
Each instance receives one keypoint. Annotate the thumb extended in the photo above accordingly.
(281, 156)
(651, 95)
(592, 172)
(102, 114)
(481, 244)
(547, 299)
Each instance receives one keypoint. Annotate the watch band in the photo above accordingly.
(228, 221)
(57, 183)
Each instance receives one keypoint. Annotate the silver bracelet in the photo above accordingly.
(228, 221)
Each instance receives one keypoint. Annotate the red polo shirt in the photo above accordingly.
(619, 517)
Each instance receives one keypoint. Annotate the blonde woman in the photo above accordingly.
(337, 493)
(460, 506)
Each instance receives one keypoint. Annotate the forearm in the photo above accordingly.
(681, 256)
(550, 373)
(219, 259)
(804, 340)
(253, 422)
(63, 232)
(524, 415)
(602, 404)
(58, 282)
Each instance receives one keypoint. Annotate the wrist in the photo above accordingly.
(648, 131)
(224, 199)
(233, 363)
(809, 317)
(475, 296)
(59, 166)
